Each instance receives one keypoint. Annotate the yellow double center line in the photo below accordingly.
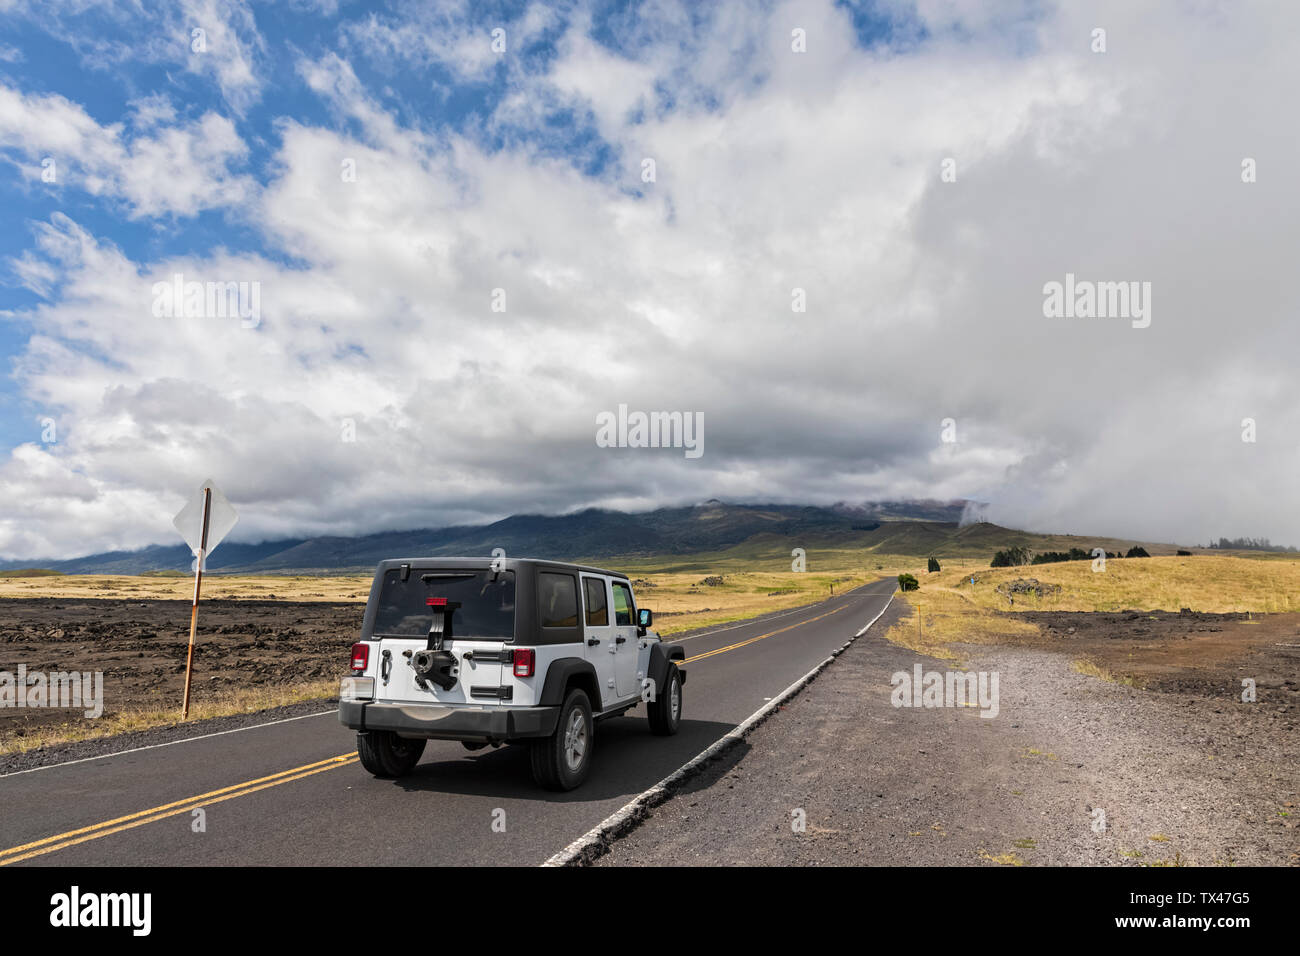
(17, 854)
(753, 640)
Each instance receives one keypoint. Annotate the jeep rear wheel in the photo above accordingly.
(385, 754)
(665, 711)
(562, 760)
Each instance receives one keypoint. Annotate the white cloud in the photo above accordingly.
(148, 112)
(232, 47)
(180, 169)
(775, 170)
(454, 34)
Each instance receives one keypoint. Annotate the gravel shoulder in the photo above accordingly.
(1181, 776)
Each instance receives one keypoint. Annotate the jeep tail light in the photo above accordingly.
(360, 656)
(525, 660)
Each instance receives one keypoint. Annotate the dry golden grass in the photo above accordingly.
(1093, 669)
(953, 611)
(1210, 583)
(1003, 859)
(221, 704)
(151, 587)
(940, 617)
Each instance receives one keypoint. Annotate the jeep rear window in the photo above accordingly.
(487, 606)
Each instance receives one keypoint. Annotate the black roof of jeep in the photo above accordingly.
(525, 569)
(486, 562)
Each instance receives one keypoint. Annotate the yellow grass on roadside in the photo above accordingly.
(940, 617)
(180, 587)
(1093, 669)
(1208, 583)
(219, 704)
(953, 611)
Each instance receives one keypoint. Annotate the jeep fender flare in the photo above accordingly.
(661, 657)
(570, 670)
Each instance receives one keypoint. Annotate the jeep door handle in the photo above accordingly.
(620, 640)
(593, 641)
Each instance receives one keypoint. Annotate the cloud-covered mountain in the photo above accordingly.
(592, 533)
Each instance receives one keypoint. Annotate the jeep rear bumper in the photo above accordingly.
(443, 722)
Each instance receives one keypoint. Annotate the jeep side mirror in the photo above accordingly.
(644, 617)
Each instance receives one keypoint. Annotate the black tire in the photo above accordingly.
(665, 711)
(553, 761)
(385, 754)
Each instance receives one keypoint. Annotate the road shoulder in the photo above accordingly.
(1072, 770)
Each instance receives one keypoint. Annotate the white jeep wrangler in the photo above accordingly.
(493, 651)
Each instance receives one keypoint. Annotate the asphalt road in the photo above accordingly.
(292, 793)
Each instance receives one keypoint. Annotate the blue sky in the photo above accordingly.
(798, 147)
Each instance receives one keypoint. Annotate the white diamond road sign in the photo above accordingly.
(221, 518)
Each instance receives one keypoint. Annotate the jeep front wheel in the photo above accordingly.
(385, 754)
(562, 760)
(665, 711)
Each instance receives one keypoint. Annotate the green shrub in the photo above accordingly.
(1137, 552)
(1010, 558)
(908, 583)
(1051, 557)
(933, 564)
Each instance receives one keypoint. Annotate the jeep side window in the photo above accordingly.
(559, 599)
(597, 606)
(623, 613)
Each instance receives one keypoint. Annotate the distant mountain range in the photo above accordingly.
(593, 533)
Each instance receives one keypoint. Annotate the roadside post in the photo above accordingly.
(203, 522)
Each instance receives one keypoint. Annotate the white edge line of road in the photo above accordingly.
(183, 740)
(617, 821)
